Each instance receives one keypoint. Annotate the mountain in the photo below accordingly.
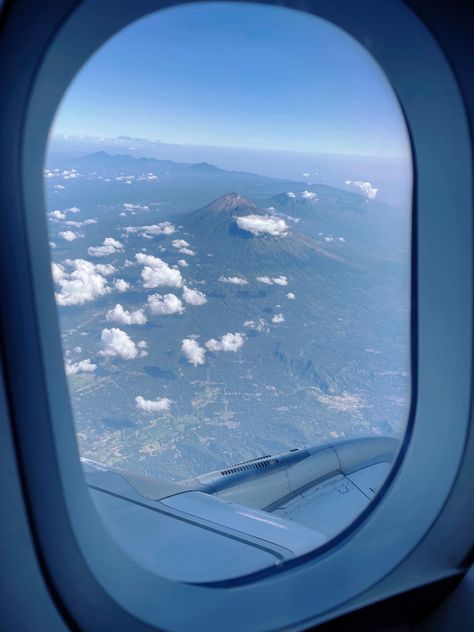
(243, 236)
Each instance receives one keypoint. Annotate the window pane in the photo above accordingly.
(239, 288)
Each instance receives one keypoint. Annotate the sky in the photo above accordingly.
(237, 75)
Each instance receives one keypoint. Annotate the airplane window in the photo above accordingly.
(228, 190)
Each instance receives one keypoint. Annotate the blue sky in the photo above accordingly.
(237, 75)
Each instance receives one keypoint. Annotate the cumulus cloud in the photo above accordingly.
(291, 195)
(156, 272)
(57, 215)
(367, 188)
(227, 342)
(263, 225)
(73, 209)
(158, 405)
(258, 325)
(120, 315)
(135, 207)
(109, 247)
(104, 268)
(162, 228)
(80, 281)
(278, 318)
(193, 297)
(179, 243)
(280, 280)
(116, 343)
(68, 235)
(121, 285)
(235, 280)
(183, 263)
(166, 305)
(309, 195)
(291, 296)
(84, 366)
(193, 353)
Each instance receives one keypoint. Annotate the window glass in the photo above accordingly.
(228, 191)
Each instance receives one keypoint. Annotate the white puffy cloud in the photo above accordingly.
(83, 366)
(162, 228)
(187, 251)
(263, 225)
(156, 272)
(135, 207)
(280, 280)
(291, 296)
(158, 405)
(121, 285)
(52, 245)
(73, 209)
(227, 342)
(193, 297)
(79, 281)
(105, 269)
(259, 325)
(193, 353)
(179, 243)
(165, 305)
(57, 215)
(309, 195)
(367, 188)
(59, 186)
(235, 280)
(68, 235)
(183, 263)
(120, 315)
(278, 318)
(109, 246)
(117, 343)
(290, 194)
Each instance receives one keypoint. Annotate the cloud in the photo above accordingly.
(290, 194)
(227, 342)
(162, 228)
(68, 235)
(367, 188)
(158, 405)
(259, 325)
(84, 366)
(59, 186)
(291, 296)
(309, 195)
(280, 280)
(119, 315)
(117, 343)
(183, 263)
(57, 215)
(52, 245)
(156, 272)
(278, 318)
(235, 280)
(187, 251)
(105, 269)
(73, 209)
(121, 285)
(263, 225)
(135, 207)
(80, 281)
(166, 305)
(179, 243)
(193, 297)
(193, 353)
(109, 247)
